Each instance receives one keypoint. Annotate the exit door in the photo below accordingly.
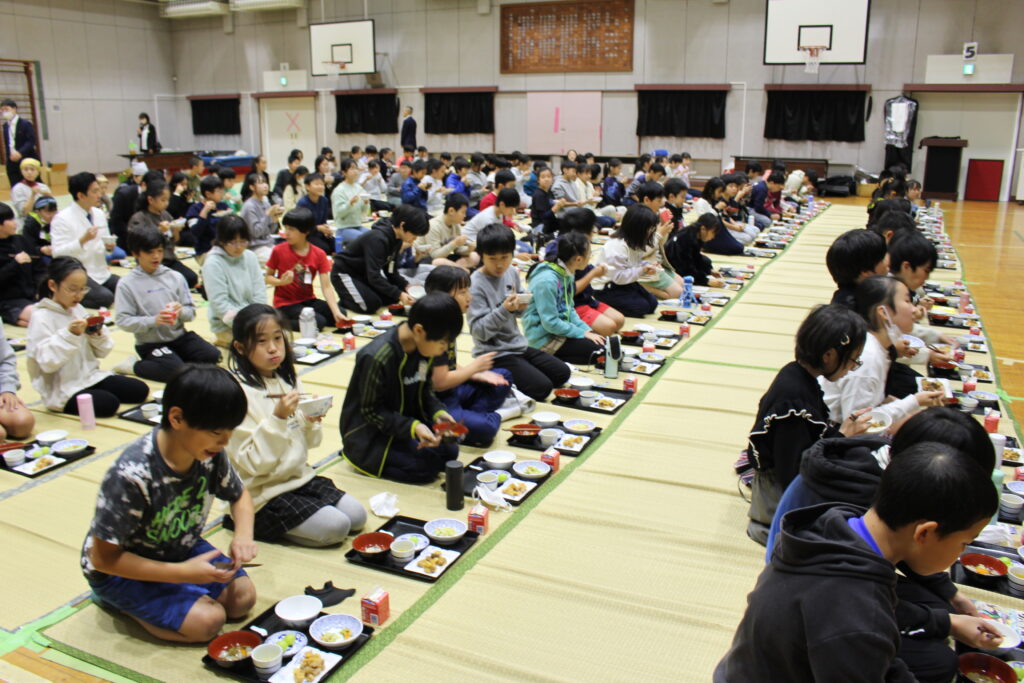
(287, 123)
(560, 121)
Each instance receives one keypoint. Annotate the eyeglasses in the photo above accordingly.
(75, 291)
(857, 363)
(237, 243)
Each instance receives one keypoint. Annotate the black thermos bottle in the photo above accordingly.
(453, 473)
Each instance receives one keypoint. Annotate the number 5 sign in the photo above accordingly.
(970, 50)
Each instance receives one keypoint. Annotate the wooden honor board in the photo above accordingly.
(545, 37)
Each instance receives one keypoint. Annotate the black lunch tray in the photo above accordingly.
(408, 525)
(638, 341)
(978, 409)
(135, 415)
(951, 373)
(960, 575)
(666, 317)
(952, 322)
(532, 443)
(480, 465)
(610, 393)
(269, 622)
(68, 459)
(329, 354)
(657, 369)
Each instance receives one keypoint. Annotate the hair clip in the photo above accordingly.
(845, 340)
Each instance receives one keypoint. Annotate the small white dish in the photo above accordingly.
(546, 419)
(51, 437)
(70, 446)
(548, 438)
(384, 324)
(419, 540)
(500, 460)
(532, 469)
(445, 530)
(316, 406)
(298, 611)
(14, 457)
(579, 426)
(328, 630)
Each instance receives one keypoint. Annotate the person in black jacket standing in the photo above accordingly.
(365, 274)
(148, 142)
(20, 139)
(408, 137)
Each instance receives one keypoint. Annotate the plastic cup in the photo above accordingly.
(998, 444)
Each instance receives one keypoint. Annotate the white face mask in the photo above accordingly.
(330, 166)
(8, 115)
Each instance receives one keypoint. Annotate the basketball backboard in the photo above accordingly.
(840, 27)
(348, 43)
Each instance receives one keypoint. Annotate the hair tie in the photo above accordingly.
(845, 340)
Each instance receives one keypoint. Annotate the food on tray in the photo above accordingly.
(432, 562)
(445, 531)
(982, 374)
(932, 385)
(515, 489)
(373, 548)
(529, 470)
(976, 677)
(42, 464)
(286, 642)
(235, 653)
(975, 346)
(1012, 454)
(568, 442)
(700, 319)
(876, 424)
(311, 666)
(335, 634)
(982, 569)
(606, 403)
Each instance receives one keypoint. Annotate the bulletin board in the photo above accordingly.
(545, 37)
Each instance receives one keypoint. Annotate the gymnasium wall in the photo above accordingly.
(102, 62)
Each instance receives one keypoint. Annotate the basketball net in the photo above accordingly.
(812, 57)
(334, 68)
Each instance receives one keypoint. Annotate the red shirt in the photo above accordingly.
(283, 258)
(488, 200)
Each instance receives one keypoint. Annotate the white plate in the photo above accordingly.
(652, 357)
(30, 466)
(421, 540)
(305, 341)
(666, 333)
(384, 324)
(643, 327)
(616, 401)
(946, 387)
(644, 368)
(878, 416)
(578, 445)
(914, 342)
(370, 333)
(417, 292)
(449, 555)
(328, 346)
(530, 485)
(286, 673)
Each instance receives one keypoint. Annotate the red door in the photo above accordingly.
(984, 178)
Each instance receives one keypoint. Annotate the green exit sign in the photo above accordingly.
(284, 79)
(968, 69)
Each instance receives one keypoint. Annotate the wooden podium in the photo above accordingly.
(942, 167)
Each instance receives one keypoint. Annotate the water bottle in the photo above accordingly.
(86, 413)
(132, 146)
(687, 295)
(307, 323)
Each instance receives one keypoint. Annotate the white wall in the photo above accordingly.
(103, 73)
(102, 61)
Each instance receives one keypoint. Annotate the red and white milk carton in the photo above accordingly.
(552, 457)
(478, 518)
(376, 607)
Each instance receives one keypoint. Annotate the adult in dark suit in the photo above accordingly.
(148, 142)
(19, 140)
(408, 129)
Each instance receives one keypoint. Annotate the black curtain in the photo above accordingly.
(681, 113)
(375, 113)
(458, 113)
(815, 115)
(216, 117)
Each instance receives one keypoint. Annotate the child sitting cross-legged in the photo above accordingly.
(144, 554)
(232, 277)
(551, 322)
(153, 303)
(64, 352)
(444, 244)
(624, 257)
(474, 392)
(853, 257)
(292, 267)
(390, 406)
(18, 272)
(602, 318)
(271, 447)
(493, 313)
(931, 501)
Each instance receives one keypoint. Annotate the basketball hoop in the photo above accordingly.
(335, 68)
(812, 57)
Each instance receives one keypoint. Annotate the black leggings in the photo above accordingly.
(580, 351)
(534, 372)
(108, 394)
(101, 294)
(161, 360)
(190, 275)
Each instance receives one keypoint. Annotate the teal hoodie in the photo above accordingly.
(551, 312)
(231, 285)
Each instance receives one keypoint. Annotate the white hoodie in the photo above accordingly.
(60, 363)
(270, 453)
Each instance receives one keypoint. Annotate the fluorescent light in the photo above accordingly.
(180, 9)
(259, 5)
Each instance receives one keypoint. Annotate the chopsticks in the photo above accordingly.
(302, 395)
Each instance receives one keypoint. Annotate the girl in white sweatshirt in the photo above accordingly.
(64, 351)
(271, 446)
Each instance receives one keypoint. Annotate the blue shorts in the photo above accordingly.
(164, 605)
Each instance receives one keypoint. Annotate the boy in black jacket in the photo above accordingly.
(824, 609)
(855, 256)
(390, 404)
(365, 274)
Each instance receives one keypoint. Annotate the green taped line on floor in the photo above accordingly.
(77, 657)
(28, 635)
(63, 659)
(384, 638)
